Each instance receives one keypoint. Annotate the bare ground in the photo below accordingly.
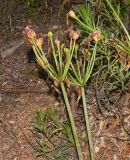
(23, 92)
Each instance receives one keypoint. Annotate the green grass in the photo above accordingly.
(54, 136)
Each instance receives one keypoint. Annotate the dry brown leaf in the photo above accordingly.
(67, 82)
(124, 100)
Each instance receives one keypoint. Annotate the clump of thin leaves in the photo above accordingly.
(113, 61)
(54, 138)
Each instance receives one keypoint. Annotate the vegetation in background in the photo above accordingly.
(33, 7)
(113, 61)
(43, 9)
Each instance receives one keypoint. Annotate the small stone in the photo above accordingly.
(56, 27)
(12, 122)
(15, 74)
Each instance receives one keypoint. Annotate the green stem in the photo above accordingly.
(43, 61)
(79, 72)
(60, 59)
(72, 121)
(118, 18)
(76, 73)
(92, 152)
(71, 51)
(90, 64)
(83, 25)
(54, 53)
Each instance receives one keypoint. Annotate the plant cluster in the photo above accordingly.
(100, 55)
(113, 61)
(67, 67)
(54, 137)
